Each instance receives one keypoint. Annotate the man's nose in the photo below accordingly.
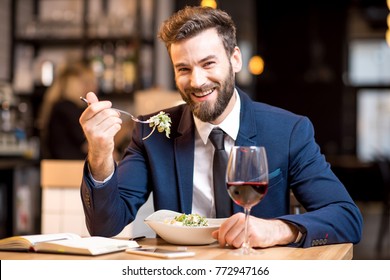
(198, 78)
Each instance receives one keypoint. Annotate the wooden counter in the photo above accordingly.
(209, 252)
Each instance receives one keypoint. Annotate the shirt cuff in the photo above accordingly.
(301, 234)
(299, 237)
(97, 183)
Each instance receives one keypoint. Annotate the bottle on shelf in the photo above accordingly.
(125, 72)
(107, 83)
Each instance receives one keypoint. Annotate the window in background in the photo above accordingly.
(369, 62)
(369, 72)
(373, 124)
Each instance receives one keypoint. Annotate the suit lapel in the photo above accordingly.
(184, 157)
(247, 132)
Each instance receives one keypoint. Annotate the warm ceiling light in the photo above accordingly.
(388, 20)
(256, 65)
(388, 37)
(388, 4)
(47, 73)
(210, 3)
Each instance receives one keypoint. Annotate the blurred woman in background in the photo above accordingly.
(61, 133)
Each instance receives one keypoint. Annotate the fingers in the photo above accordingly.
(231, 231)
(95, 109)
(91, 97)
(261, 232)
(100, 124)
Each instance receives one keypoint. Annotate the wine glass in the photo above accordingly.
(247, 182)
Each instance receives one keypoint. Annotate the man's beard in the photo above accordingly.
(205, 111)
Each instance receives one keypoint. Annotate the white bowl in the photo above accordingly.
(178, 234)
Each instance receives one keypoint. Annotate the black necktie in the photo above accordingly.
(221, 197)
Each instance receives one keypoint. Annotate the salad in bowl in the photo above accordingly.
(183, 229)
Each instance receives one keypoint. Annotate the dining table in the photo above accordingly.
(213, 251)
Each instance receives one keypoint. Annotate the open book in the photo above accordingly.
(65, 243)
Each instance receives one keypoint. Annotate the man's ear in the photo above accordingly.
(236, 60)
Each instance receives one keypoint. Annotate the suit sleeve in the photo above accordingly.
(332, 216)
(113, 205)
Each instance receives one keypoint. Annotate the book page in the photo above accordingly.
(27, 242)
(50, 237)
(95, 245)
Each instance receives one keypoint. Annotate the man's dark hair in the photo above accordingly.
(190, 21)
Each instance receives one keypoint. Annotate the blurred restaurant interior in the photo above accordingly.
(326, 59)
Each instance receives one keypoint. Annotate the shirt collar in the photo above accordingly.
(230, 124)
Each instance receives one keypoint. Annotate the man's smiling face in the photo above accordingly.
(204, 75)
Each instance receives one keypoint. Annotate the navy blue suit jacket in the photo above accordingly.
(165, 166)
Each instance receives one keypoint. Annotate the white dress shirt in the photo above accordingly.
(203, 193)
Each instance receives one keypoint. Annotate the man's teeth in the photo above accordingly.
(203, 93)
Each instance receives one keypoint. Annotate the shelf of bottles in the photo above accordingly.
(114, 66)
(114, 36)
(105, 32)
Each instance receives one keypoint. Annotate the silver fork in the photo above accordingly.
(122, 112)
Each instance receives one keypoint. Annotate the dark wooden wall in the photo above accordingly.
(303, 48)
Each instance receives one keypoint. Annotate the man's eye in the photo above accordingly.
(181, 70)
(209, 63)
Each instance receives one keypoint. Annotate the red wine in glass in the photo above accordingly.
(247, 194)
(247, 183)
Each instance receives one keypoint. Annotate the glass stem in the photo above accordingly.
(246, 246)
